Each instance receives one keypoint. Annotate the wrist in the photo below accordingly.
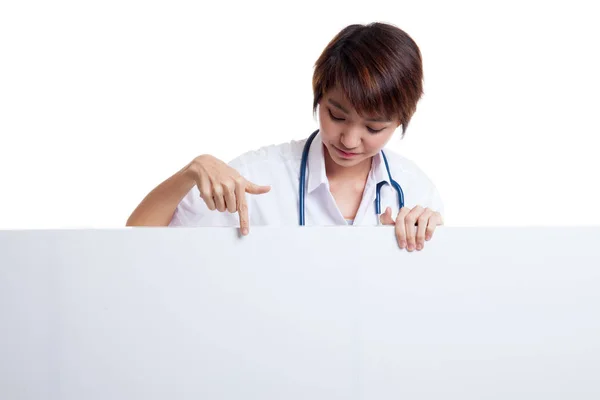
(187, 176)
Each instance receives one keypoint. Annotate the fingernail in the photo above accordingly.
(419, 246)
(402, 244)
(410, 247)
(245, 231)
(428, 237)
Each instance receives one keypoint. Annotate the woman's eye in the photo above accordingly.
(333, 117)
(374, 130)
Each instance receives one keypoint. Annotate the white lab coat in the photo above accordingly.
(279, 167)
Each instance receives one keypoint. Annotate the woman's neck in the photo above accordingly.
(337, 173)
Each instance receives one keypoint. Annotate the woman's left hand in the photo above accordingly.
(408, 235)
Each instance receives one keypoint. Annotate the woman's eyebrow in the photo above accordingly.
(337, 105)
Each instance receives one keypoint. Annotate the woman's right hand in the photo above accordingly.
(223, 188)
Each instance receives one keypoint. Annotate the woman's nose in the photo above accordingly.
(350, 138)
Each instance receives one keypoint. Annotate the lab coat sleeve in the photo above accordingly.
(436, 202)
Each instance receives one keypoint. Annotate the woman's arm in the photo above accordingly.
(157, 208)
(220, 186)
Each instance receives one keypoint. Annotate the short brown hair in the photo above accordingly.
(377, 66)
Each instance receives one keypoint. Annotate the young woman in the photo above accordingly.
(366, 84)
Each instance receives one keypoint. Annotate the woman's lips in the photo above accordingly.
(345, 154)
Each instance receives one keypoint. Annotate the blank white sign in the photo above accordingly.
(299, 313)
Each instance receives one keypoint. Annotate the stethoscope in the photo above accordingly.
(301, 195)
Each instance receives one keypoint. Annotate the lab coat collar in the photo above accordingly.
(317, 175)
(378, 171)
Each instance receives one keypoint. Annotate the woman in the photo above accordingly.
(366, 84)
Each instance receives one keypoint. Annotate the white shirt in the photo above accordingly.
(279, 167)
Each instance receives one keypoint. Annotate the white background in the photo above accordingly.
(102, 101)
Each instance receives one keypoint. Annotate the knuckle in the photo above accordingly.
(218, 190)
(229, 186)
(206, 193)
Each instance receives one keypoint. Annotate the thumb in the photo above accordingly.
(253, 188)
(386, 217)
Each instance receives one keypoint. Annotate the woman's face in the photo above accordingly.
(348, 138)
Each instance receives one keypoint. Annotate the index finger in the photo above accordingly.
(400, 228)
(242, 207)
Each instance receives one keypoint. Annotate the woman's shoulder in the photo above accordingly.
(401, 164)
(422, 189)
(268, 156)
